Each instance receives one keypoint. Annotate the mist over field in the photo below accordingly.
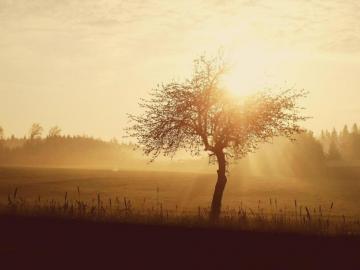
(314, 171)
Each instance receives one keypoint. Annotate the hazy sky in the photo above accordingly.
(83, 64)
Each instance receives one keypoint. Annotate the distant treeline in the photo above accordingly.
(305, 155)
(343, 145)
(56, 150)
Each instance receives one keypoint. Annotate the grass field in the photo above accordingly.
(117, 235)
(129, 240)
(182, 190)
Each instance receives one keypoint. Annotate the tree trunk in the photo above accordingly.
(219, 188)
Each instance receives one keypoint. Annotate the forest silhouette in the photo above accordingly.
(307, 154)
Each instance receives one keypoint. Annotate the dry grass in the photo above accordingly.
(267, 216)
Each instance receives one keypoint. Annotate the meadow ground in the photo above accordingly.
(72, 242)
(185, 190)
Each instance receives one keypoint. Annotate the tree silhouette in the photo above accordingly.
(198, 114)
(334, 153)
(1, 133)
(334, 135)
(54, 132)
(35, 131)
(322, 136)
(355, 142)
(355, 129)
(345, 143)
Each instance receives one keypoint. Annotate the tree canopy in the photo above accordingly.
(54, 132)
(198, 113)
(35, 131)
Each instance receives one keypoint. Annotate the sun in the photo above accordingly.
(247, 73)
(241, 82)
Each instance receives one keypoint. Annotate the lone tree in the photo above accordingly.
(198, 114)
(54, 132)
(35, 131)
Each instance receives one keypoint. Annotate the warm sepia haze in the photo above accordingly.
(163, 134)
(180, 131)
(83, 65)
